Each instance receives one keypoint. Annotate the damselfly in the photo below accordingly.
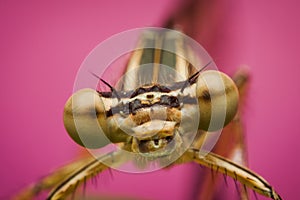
(162, 113)
(153, 117)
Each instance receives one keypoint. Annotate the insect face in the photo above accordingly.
(154, 120)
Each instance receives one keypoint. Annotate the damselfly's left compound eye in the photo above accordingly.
(84, 119)
(218, 100)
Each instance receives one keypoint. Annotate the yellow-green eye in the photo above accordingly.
(218, 100)
(84, 113)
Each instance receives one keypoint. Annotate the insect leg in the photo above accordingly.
(241, 174)
(86, 172)
(49, 181)
(239, 155)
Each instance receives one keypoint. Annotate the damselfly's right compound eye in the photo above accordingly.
(218, 100)
(84, 119)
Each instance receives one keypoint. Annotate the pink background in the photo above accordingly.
(43, 44)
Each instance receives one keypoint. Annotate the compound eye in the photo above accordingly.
(218, 100)
(84, 119)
